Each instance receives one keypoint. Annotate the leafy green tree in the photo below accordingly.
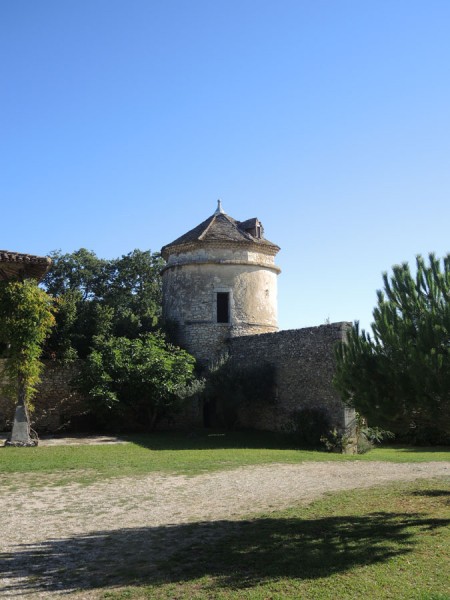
(109, 311)
(26, 318)
(134, 292)
(80, 271)
(137, 381)
(119, 297)
(399, 378)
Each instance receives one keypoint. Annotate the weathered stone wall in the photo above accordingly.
(55, 403)
(304, 366)
(303, 360)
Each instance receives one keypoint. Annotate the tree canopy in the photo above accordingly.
(118, 297)
(399, 378)
(26, 319)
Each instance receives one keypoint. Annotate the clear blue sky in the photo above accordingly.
(122, 122)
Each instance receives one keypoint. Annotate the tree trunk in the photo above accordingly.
(20, 435)
(152, 416)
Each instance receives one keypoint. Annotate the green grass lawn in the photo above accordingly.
(183, 454)
(390, 542)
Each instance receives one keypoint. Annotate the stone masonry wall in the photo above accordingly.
(54, 404)
(304, 365)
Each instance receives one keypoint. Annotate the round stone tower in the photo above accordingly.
(220, 281)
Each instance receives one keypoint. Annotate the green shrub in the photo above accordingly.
(136, 381)
(335, 441)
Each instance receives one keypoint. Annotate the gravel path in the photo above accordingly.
(58, 539)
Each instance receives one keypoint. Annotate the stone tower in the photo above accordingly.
(220, 281)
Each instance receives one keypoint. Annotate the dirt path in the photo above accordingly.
(57, 539)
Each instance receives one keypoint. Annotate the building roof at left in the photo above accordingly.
(15, 265)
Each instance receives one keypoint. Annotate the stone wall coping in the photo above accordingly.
(338, 326)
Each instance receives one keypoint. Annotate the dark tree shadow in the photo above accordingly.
(418, 449)
(433, 494)
(210, 439)
(237, 554)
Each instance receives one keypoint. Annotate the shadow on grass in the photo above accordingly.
(432, 493)
(418, 449)
(206, 439)
(236, 554)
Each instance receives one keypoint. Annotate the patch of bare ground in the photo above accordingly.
(75, 440)
(78, 538)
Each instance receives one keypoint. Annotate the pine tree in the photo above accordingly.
(399, 378)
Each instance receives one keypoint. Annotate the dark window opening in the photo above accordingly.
(223, 307)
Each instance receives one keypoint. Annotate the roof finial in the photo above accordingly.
(219, 209)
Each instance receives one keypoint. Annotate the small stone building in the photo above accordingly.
(220, 297)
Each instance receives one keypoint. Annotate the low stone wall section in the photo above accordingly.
(55, 404)
(304, 365)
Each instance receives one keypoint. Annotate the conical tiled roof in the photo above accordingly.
(221, 228)
(14, 265)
